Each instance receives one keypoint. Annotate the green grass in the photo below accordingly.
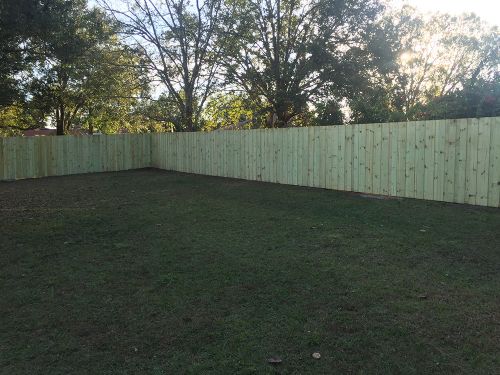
(150, 272)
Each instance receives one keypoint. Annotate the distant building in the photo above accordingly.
(47, 131)
(38, 132)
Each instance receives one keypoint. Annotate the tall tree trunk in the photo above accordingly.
(91, 124)
(189, 112)
(283, 117)
(60, 120)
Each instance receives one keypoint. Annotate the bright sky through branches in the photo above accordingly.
(488, 10)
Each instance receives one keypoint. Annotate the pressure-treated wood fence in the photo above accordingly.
(29, 157)
(443, 160)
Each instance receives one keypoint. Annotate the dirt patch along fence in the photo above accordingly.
(443, 160)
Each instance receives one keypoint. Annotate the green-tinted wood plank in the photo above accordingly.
(289, 152)
(494, 164)
(410, 160)
(471, 168)
(483, 157)
(3, 160)
(280, 168)
(341, 158)
(439, 151)
(369, 157)
(348, 158)
(355, 158)
(265, 154)
(449, 160)
(430, 137)
(322, 162)
(393, 159)
(301, 171)
(11, 155)
(385, 158)
(335, 157)
(310, 156)
(362, 158)
(401, 163)
(420, 159)
(329, 144)
(19, 146)
(294, 145)
(377, 159)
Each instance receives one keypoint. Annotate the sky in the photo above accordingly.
(489, 10)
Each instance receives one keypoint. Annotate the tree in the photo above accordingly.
(290, 52)
(439, 58)
(178, 41)
(84, 65)
(233, 111)
(72, 69)
(20, 45)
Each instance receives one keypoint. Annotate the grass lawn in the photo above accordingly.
(153, 272)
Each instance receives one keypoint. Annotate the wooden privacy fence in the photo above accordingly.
(28, 157)
(443, 160)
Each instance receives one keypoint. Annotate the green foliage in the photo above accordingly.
(15, 118)
(232, 111)
(178, 42)
(79, 72)
(161, 66)
(329, 112)
(479, 100)
(14, 45)
(291, 53)
(446, 66)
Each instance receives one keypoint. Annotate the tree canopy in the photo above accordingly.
(187, 65)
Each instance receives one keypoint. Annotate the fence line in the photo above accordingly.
(30, 157)
(443, 160)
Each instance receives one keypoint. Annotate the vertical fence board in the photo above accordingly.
(471, 165)
(3, 159)
(401, 164)
(329, 154)
(362, 158)
(355, 158)
(449, 160)
(322, 150)
(430, 136)
(341, 157)
(370, 135)
(420, 159)
(385, 160)
(376, 156)
(410, 160)
(393, 157)
(483, 159)
(494, 167)
(439, 152)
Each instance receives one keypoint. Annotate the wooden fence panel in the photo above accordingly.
(32, 157)
(444, 160)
